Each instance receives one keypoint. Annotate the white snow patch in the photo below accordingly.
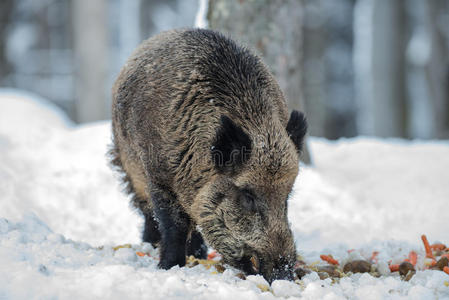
(60, 173)
(59, 200)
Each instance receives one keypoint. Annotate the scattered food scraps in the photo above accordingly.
(413, 257)
(405, 267)
(121, 246)
(357, 266)
(263, 287)
(329, 259)
(429, 253)
(442, 262)
(212, 255)
(374, 256)
(394, 268)
(438, 246)
(436, 258)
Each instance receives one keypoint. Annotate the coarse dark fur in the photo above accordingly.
(202, 134)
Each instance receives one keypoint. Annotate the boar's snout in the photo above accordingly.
(279, 270)
(271, 270)
(278, 257)
(284, 273)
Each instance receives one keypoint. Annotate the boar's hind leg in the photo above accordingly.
(196, 246)
(151, 232)
(174, 226)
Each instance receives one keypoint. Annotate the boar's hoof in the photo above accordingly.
(171, 259)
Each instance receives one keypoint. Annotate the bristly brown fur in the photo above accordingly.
(184, 97)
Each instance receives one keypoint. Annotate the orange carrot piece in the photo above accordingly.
(413, 257)
(439, 247)
(445, 255)
(394, 267)
(429, 253)
(329, 259)
(374, 256)
(430, 262)
(212, 255)
(446, 270)
(140, 253)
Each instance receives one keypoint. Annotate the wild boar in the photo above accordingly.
(202, 134)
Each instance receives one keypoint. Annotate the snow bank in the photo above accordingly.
(60, 201)
(60, 173)
(365, 188)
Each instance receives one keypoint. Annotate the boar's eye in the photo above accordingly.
(248, 200)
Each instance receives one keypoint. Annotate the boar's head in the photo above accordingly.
(242, 210)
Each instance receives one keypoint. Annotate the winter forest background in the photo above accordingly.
(357, 67)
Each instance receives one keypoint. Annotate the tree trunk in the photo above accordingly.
(91, 52)
(379, 65)
(314, 83)
(437, 68)
(274, 30)
(428, 69)
(328, 68)
(6, 9)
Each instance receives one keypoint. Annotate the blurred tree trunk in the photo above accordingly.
(437, 68)
(428, 69)
(6, 8)
(379, 54)
(328, 67)
(274, 30)
(91, 52)
(145, 19)
(339, 69)
(314, 48)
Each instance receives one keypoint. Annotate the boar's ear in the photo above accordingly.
(297, 128)
(231, 147)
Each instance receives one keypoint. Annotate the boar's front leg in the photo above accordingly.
(196, 246)
(174, 226)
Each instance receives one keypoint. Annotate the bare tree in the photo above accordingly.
(274, 30)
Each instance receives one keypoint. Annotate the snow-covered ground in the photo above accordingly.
(59, 202)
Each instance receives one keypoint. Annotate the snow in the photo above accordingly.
(365, 188)
(62, 212)
(44, 159)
